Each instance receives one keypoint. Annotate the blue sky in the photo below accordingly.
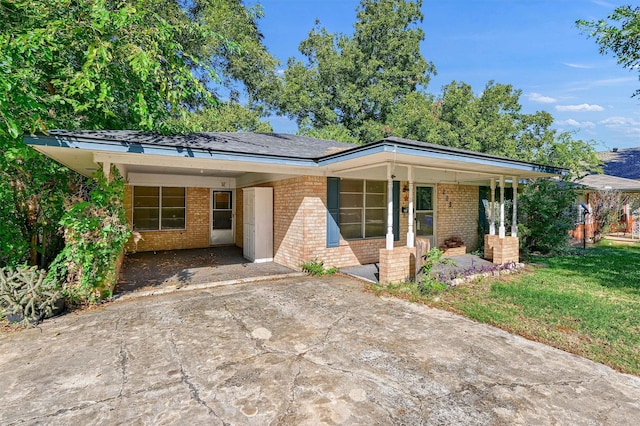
(532, 44)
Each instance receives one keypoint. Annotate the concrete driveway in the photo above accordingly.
(296, 351)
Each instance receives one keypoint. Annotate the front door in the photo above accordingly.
(425, 218)
(222, 217)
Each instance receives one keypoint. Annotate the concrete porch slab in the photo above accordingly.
(175, 269)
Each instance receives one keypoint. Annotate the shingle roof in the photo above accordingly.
(271, 144)
(602, 182)
(278, 146)
(624, 163)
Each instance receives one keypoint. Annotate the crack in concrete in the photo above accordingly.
(332, 326)
(513, 385)
(186, 380)
(396, 385)
(124, 361)
(155, 387)
(292, 394)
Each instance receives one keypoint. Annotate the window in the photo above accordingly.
(363, 208)
(158, 208)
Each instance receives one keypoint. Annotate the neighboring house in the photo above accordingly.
(622, 163)
(294, 199)
(590, 185)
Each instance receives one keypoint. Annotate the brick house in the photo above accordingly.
(292, 199)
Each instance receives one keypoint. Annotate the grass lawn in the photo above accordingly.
(587, 303)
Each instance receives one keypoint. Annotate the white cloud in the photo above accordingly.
(586, 85)
(581, 66)
(619, 121)
(573, 123)
(569, 122)
(603, 3)
(625, 125)
(579, 108)
(537, 97)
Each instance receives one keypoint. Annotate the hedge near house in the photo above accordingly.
(545, 216)
(95, 232)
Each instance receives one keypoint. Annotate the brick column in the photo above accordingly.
(501, 250)
(397, 265)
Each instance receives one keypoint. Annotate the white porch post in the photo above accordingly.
(389, 245)
(514, 219)
(492, 219)
(410, 234)
(501, 230)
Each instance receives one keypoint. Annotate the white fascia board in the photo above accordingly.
(166, 151)
(154, 179)
(203, 163)
(467, 162)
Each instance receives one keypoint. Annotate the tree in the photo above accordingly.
(354, 81)
(619, 34)
(606, 207)
(225, 117)
(106, 64)
(490, 122)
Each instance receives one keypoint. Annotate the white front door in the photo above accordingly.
(222, 217)
(425, 217)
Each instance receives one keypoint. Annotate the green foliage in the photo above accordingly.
(426, 282)
(372, 84)
(586, 304)
(95, 231)
(545, 209)
(316, 267)
(226, 117)
(620, 35)
(103, 64)
(25, 292)
(491, 122)
(32, 190)
(333, 132)
(354, 81)
(99, 64)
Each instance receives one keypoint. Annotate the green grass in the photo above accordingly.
(587, 303)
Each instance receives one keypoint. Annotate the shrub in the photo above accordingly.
(426, 282)
(316, 267)
(25, 293)
(95, 231)
(545, 216)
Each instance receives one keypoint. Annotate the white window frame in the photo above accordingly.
(160, 188)
(364, 208)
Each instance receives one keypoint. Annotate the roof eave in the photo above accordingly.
(442, 153)
(122, 147)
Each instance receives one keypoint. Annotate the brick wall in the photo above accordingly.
(196, 234)
(501, 250)
(461, 218)
(300, 227)
(397, 265)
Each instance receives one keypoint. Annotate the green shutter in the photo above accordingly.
(396, 210)
(333, 212)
